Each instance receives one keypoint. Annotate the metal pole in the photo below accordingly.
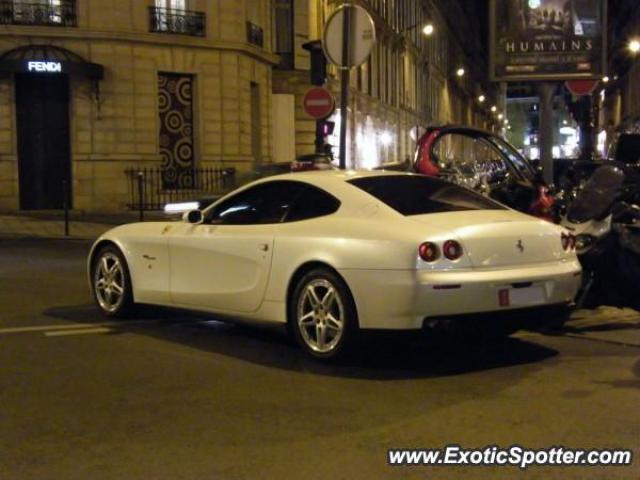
(344, 84)
(141, 195)
(546, 130)
(319, 143)
(65, 196)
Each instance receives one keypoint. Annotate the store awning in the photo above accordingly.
(48, 59)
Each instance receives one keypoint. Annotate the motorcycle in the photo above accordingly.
(605, 220)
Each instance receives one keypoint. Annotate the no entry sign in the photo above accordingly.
(318, 103)
(581, 87)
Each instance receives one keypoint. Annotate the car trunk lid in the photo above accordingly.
(497, 238)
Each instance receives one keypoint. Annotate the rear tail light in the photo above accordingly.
(452, 250)
(568, 241)
(428, 251)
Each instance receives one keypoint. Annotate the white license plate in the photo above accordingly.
(521, 296)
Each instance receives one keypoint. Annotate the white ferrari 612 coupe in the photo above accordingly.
(331, 252)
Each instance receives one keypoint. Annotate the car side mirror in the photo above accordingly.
(193, 217)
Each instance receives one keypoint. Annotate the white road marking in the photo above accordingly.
(84, 331)
(43, 328)
(83, 326)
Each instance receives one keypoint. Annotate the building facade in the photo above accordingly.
(410, 81)
(617, 101)
(179, 89)
(89, 89)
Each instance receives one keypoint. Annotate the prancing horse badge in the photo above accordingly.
(520, 246)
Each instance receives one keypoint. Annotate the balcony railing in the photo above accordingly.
(181, 22)
(151, 188)
(255, 34)
(58, 14)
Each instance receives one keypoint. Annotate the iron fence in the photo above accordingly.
(22, 12)
(182, 22)
(147, 191)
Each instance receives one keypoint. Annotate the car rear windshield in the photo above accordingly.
(417, 195)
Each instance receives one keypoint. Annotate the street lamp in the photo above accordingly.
(500, 116)
(494, 109)
(634, 46)
(605, 79)
(428, 29)
(460, 72)
(481, 98)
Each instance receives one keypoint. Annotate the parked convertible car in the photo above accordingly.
(331, 252)
(486, 163)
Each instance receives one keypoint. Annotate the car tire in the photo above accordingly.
(322, 315)
(111, 283)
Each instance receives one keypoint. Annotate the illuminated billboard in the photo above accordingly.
(547, 39)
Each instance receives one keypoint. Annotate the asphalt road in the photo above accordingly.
(176, 396)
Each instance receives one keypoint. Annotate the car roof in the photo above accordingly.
(335, 182)
(334, 175)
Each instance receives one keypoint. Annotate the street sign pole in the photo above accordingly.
(347, 40)
(344, 85)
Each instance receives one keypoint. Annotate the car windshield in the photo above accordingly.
(418, 195)
(521, 163)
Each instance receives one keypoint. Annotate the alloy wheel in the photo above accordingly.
(109, 282)
(320, 315)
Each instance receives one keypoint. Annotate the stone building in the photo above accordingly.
(617, 101)
(89, 88)
(409, 82)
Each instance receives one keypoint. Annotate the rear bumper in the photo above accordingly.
(405, 299)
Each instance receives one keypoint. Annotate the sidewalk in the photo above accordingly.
(51, 224)
(607, 324)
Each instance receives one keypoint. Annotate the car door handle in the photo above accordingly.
(264, 247)
(148, 257)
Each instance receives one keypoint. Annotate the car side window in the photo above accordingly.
(312, 203)
(263, 204)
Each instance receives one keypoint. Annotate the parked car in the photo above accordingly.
(328, 253)
(486, 163)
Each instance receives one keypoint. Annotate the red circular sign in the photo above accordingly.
(581, 87)
(318, 103)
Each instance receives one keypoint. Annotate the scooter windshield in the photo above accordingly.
(595, 200)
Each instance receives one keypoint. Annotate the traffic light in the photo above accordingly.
(327, 127)
(318, 62)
